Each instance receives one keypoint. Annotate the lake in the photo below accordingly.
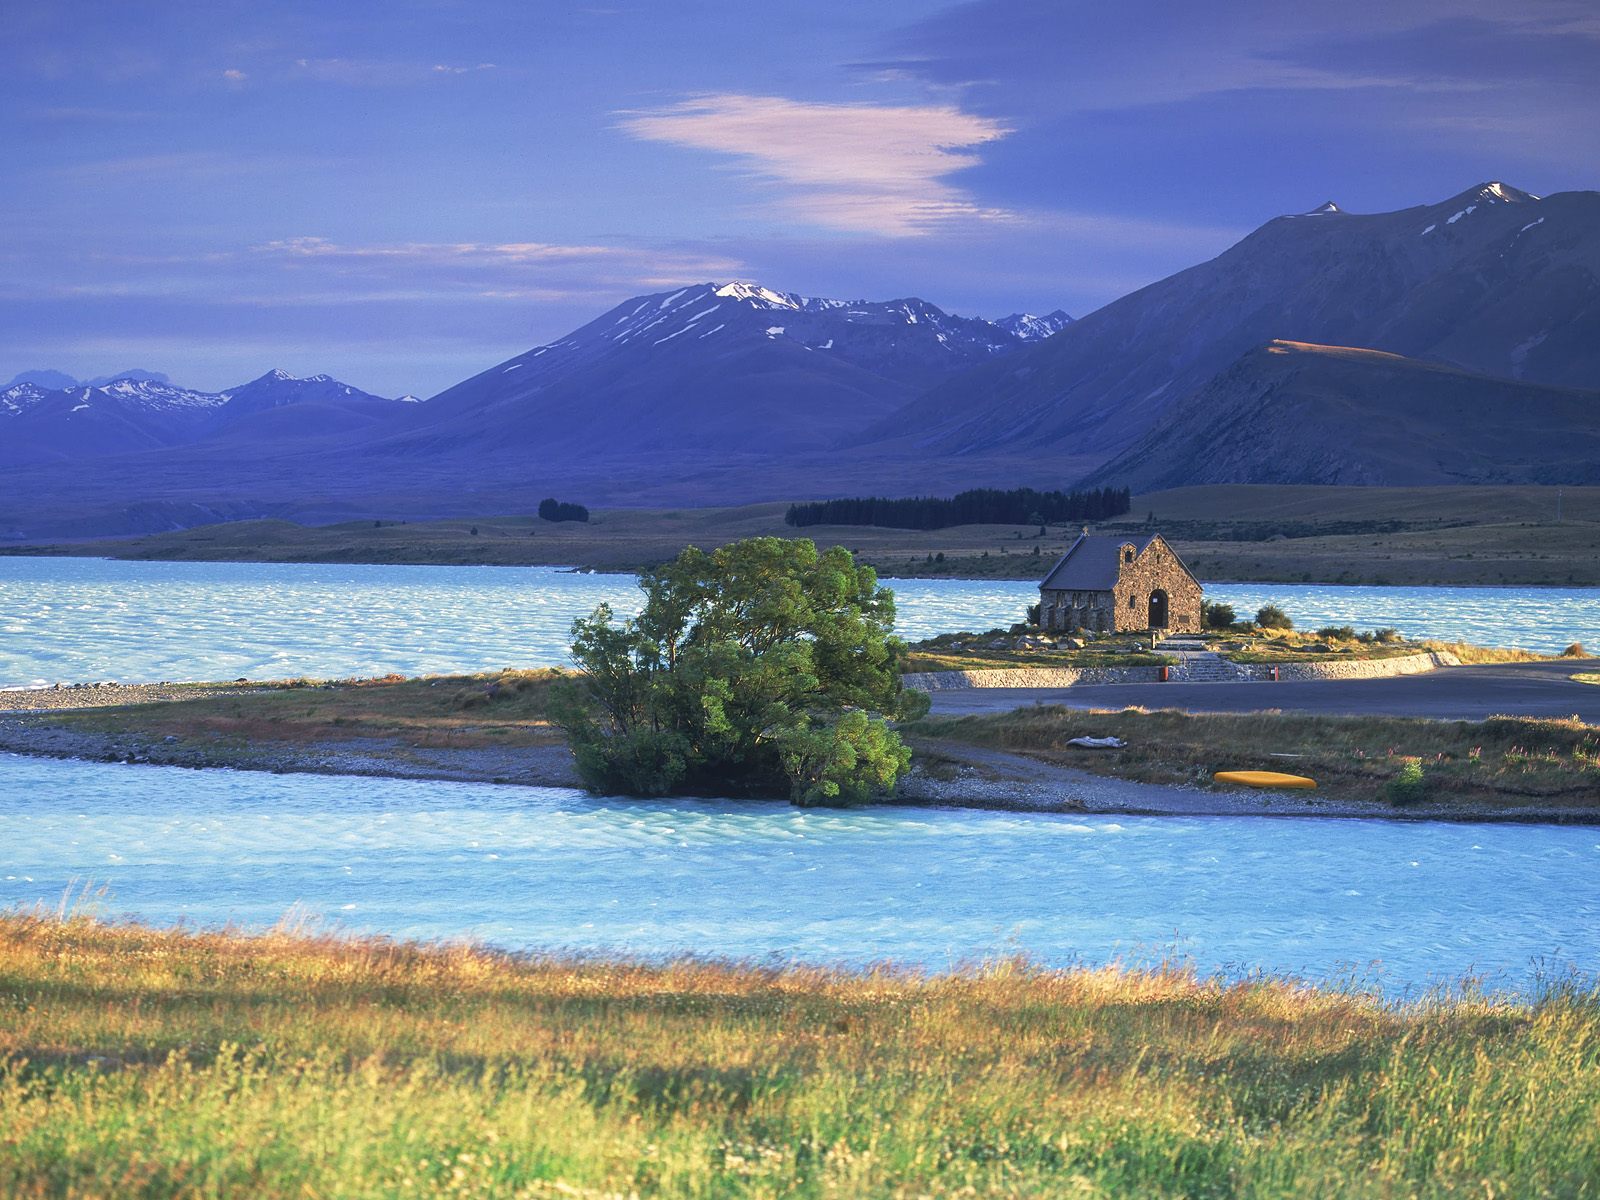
(78, 619)
(1399, 905)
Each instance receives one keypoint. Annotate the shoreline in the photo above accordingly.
(53, 552)
(944, 774)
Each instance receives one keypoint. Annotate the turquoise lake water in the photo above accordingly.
(72, 619)
(1400, 906)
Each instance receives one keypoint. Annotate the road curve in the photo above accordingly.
(1541, 689)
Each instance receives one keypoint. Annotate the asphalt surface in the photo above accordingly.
(1542, 689)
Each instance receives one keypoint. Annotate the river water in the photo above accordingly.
(75, 619)
(1398, 906)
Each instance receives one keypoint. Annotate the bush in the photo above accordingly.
(555, 510)
(1337, 633)
(1217, 616)
(1270, 616)
(1575, 650)
(1409, 784)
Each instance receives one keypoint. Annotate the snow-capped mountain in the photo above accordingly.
(143, 411)
(1029, 328)
(718, 367)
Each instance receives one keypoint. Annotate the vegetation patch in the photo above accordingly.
(157, 1063)
(502, 708)
(1509, 763)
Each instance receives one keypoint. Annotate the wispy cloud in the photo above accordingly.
(361, 72)
(853, 167)
(503, 270)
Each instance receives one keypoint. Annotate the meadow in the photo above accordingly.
(137, 1062)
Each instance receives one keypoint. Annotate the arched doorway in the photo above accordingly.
(1158, 610)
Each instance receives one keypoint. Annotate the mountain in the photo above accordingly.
(45, 381)
(1494, 281)
(1029, 328)
(55, 381)
(143, 412)
(1289, 412)
(713, 369)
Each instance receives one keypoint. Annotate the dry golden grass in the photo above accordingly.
(147, 1063)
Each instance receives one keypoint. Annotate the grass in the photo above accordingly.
(1510, 762)
(502, 708)
(155, 1063)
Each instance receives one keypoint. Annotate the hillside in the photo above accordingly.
(1494, 280)
(1289, 412)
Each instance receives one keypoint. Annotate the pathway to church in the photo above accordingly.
(1196, 664)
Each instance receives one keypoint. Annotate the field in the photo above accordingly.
(144, 1063)
(1451, 535)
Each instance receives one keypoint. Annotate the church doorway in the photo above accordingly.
(1158, 610)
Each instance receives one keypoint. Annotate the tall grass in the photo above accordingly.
(153, 1063)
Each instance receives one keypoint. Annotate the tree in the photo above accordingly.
(764, 667)
(1219, 615)
(551, 509)
(1270, 616)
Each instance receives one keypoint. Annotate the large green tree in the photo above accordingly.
(765, 667)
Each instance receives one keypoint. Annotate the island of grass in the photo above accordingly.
(167, 1063)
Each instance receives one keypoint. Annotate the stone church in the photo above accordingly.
(1117, 584)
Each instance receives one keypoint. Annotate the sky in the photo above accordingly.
(404, 193)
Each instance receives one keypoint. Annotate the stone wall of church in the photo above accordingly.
(1157, 569)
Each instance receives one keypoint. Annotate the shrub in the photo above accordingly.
(1575, 650)
(1409, 784)
(1218, 615)
(556, 510)
(1034, 613)
(1270, 616)
(1337, 633)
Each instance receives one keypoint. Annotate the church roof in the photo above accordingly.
(1092, 563)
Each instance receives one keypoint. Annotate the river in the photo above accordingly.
(1396, 906)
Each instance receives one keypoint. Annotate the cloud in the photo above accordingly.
(234, 75)
(853, 167)
(501, 270)
(361, 72)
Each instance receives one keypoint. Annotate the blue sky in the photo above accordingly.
(404, 193)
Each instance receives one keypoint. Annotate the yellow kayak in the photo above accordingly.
(1264, 779)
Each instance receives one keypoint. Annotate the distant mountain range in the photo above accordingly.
(1454, 342)
(141, 411)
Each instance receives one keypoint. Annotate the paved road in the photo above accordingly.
(1542, 689)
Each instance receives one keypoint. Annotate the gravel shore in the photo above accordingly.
(65, 696)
